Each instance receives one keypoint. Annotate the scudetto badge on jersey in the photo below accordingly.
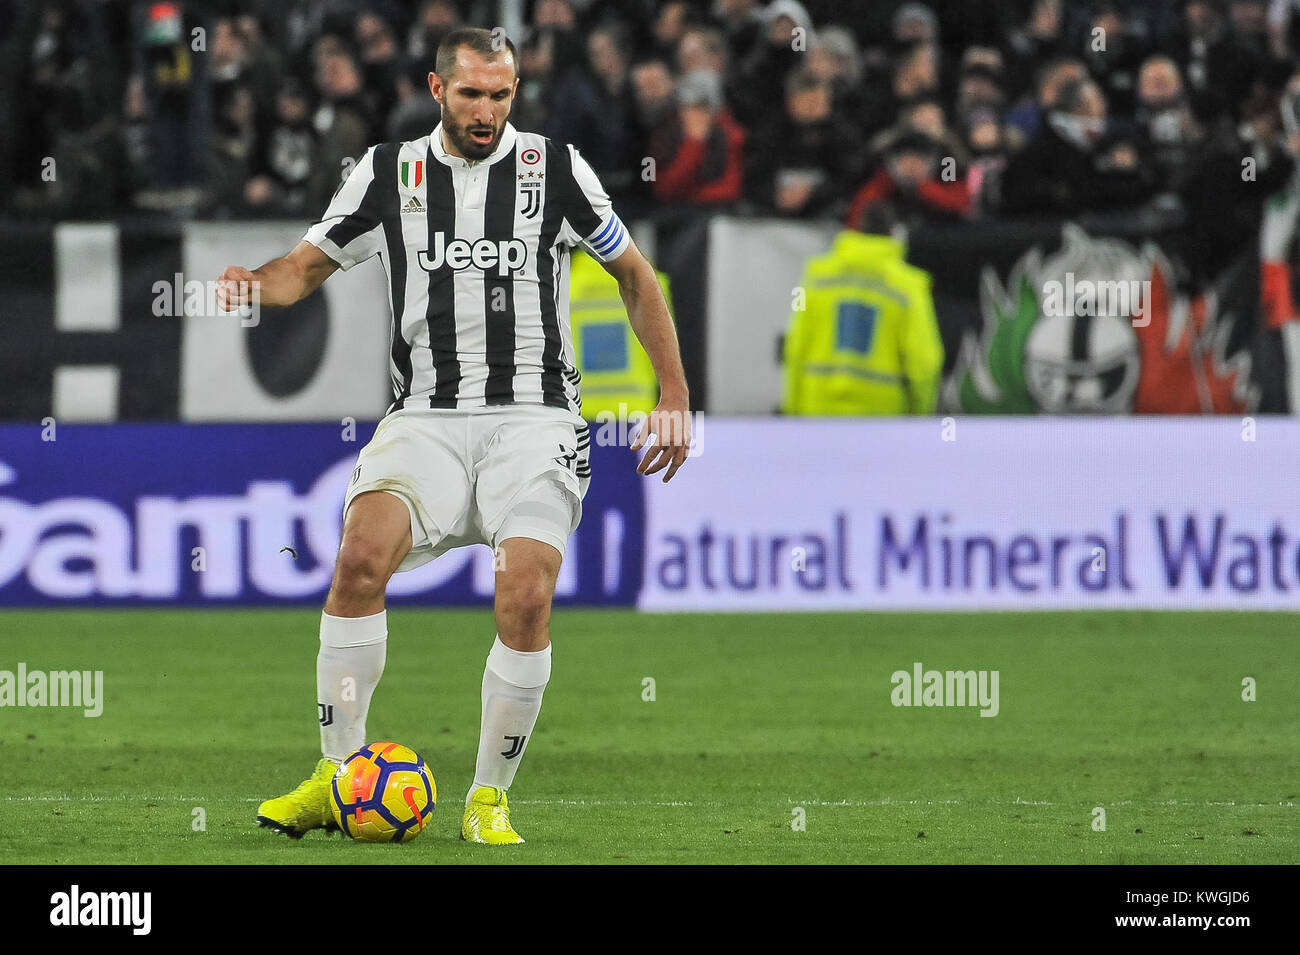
(412, 177)
(532, 198)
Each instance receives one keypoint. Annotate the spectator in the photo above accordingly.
(762, 79)
(1075, 163)
(914, 24)
(917, 73)
(572, 102)
(1172, 136)
(804, 161)
(925, 115)
(701, 48)
(576, 115)
(64, 102)
(1040, 38)
(228, 54)
(558, 19)
(1224, 207)
(1249, 24)
(284, 167)
(1027, 117)
(654, 101)
(339, 121)
(435, 20)
(742, 27)
(1253, 48)
(1203, 49)
(381, 70)
(699, 157)
(264, 69)
(613, 150)
(910, 180)
(981, 107)
(986, 141)
(669, 27)
(1112, 50)
(234, 143)
(986, 57)
(536, 66)
(979, 87)
(416, 111)
(833, 57)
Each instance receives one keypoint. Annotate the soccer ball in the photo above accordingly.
(383, 792)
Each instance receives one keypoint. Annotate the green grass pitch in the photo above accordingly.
(754, 716)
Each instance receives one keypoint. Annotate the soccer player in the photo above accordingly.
(483, 442)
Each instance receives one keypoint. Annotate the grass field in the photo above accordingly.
(754, 716)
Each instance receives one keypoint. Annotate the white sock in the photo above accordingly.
(351, 661)
(513, 683)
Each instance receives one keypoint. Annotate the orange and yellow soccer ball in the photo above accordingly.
(383, 792)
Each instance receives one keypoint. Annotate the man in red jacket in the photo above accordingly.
(699, 153)
(910, 178)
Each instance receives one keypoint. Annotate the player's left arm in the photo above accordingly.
(648, 314)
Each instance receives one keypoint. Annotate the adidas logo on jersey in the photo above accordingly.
(413, 206)
(505, 255)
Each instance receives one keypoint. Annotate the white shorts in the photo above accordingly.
(478, 477)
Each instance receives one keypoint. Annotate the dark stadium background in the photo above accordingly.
(148, 133)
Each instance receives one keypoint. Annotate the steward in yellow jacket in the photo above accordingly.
(867, 341)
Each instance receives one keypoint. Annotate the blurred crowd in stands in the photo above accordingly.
(944, 111)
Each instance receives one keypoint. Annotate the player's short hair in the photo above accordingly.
(479, 40)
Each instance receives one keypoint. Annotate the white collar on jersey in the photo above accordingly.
(504, 147)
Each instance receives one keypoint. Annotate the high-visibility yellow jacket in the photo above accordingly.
(867, 340)
(615, 368)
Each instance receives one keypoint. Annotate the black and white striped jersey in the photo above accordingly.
(477, 258)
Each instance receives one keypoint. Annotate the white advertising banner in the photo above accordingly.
(980, 513)
(754, 268)
(217, 379)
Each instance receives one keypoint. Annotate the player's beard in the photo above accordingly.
(460, 136)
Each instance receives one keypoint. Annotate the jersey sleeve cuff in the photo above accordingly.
(316, 235)
(609, 240)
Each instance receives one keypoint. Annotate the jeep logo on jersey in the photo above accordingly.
(506, 255)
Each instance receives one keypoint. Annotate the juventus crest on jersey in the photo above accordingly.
(477, 258)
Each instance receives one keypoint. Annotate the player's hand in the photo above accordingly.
(670, 426)
(235, 288)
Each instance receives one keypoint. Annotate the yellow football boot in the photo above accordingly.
(487, 819)
(304, 809)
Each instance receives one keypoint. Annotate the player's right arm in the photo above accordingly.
(281, 281)
(350, 231)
